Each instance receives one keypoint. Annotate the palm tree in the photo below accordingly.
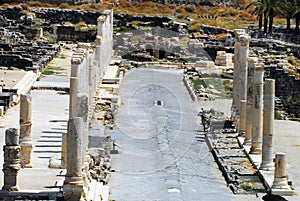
(259, 9)
(272, 7)
(288, 8)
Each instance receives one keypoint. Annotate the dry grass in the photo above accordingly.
(226, 17)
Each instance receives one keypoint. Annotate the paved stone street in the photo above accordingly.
(163, 155)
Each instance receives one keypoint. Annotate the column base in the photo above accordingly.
(73, 192)
(10, 188)
(255, 151)
(283, 192)
(73, 180)
(267, 166)
(281, 187)
(280, 183)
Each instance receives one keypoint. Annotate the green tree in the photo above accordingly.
(258, 11)
(266, 10)
(272, 7)
(288, 8)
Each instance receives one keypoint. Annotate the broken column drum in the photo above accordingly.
(268, 125)
(11, 164)
(256, 139)
(25, 130)
(280, 177)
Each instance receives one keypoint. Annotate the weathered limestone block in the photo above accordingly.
(25, 130)
(223, 59)
(204, 64)
(11, 164)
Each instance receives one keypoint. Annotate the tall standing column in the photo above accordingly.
(11, 164)
(256, 143)
(249, 118)
(73, 185)
(235, 68)
(280, 177)
(241, 53)
(268, 124)
(25, 130)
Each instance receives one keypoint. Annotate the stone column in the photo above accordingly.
(256, 139)
(11, 164)
(74, 90)
(25, 130)
(73, 185)
(243, 114)
(241, 52)
(249, 118)
(280, 177)
(268, 124)
(82, 109)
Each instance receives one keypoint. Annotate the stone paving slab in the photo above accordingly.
(11, 77)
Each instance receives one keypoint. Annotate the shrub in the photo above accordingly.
(190, 8)
(64, 6)
(34, 4)
(24, 6)
(292, 61)
(180, 16)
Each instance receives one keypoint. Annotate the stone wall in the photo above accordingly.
(278, 34)
(69, 33)
(18, 52)
(60, 16)
(13, 60)
(287, 86)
